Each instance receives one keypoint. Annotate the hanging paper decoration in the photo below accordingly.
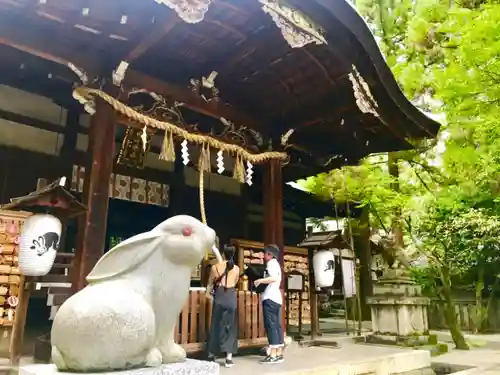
(220, 162)
(249, 174)
(364, 99)
(244, 159)
(239, 170)
(168, 148)
(38, 245)
(324, 268)
(144, 138)
(297, 30)
(87, 96)
(185, 152)
(190, 11)
(204, 163)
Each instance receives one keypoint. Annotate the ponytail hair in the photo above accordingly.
(228, 253)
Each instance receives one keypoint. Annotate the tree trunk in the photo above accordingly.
(489, 303)
(363, 250)
(397, 228)
(450, 314)
(479, 300)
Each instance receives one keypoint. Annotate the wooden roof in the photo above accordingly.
(52, 198)
(324, 240)
(263, 83)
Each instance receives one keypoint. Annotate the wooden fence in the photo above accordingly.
(194, 321)
(465, 310)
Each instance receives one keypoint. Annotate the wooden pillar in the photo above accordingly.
(273, 206)
(273, 216)
(17, 338)
(313, 296)
(91, 236)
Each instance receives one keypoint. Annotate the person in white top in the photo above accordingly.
(272, 301)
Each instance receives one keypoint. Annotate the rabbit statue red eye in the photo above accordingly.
(186, 232)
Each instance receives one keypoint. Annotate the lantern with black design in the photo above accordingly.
(321, 252)
(41, 233)
(38, 244)
(324, 268)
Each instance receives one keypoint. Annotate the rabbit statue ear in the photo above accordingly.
(125, 256)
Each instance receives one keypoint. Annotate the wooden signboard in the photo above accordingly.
(11, 281)
(252, 252)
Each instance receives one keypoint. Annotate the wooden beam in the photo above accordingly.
(35, 123)
(31, 44)
(154, 37)
(48, 126)
(190, 99)
(245, 48)
(133, 78)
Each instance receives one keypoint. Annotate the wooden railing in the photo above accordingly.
(465, 310)
(194, 321)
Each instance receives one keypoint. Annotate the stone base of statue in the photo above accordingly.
(399, 312)
(189, 367)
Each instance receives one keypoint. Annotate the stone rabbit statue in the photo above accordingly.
(127, 314)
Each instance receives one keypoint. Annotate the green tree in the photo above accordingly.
(444, 54)
(463, 248)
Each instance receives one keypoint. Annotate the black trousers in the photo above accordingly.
(272, 323)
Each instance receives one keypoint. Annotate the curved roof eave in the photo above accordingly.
(345, 14)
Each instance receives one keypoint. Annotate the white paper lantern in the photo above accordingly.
(39, 244)
(324, 268)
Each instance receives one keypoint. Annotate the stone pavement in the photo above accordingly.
(481, 361)
(348, 360)
(485, 359)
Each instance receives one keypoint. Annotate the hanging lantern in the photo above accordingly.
(39, 244)
(324, 268)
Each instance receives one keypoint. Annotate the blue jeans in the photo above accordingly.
(272, 323)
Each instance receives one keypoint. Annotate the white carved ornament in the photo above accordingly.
(364, 99)
(297, 30)
(190, 11)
